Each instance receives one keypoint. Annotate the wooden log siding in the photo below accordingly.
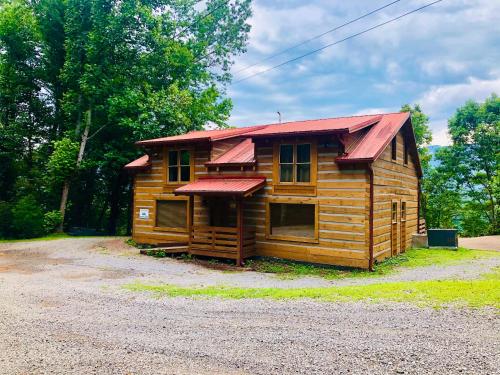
(342, 196)
(394, 181)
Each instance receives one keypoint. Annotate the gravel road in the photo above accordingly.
(62, 311)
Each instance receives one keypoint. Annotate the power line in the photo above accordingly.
(188, 27)
(338, 42)
(317, 36)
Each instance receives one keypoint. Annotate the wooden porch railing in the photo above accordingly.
(222, 242)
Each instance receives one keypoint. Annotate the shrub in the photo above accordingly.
(27, 218)
(51, 221)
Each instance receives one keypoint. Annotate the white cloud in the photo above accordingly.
(441, 99)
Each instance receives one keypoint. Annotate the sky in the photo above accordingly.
(439, 58)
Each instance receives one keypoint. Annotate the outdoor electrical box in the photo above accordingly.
(442, 238)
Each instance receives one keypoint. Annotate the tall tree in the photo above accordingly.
(472, 161)
(146, 68)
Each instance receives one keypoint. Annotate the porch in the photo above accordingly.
(224, 233)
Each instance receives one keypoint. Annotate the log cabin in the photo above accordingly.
(340, 191)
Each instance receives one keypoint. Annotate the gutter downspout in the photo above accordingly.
(370, 261)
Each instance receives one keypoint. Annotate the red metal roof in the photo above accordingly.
(241, 186)
(378, 137)
(141, 163)
(329, 125)
(241, 154)
(200, 136)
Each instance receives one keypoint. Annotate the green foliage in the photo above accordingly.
(51, 221)
(27, 218)
(141, 69)
(62, 163)
(5, 219)
(423, 134)
(471, 164)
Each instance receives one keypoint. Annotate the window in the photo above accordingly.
(171, 214)
(405, 145)
(292, 221)
(179, 166)
(394, 212)
(403, 211)
(394, 150)
(295, 163)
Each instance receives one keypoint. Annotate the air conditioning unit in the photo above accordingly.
(443, 238)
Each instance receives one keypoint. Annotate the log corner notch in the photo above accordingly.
(370, 243)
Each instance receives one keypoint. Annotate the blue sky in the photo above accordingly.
(439, 58)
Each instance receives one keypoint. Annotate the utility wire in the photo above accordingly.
(316, 37)
(338, 42)
(188, 27)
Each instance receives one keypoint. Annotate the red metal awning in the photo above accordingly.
(142, 163)
(239, 186)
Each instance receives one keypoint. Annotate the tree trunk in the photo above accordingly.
(65, 192)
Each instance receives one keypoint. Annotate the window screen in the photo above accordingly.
(297, 220)
(171, 214)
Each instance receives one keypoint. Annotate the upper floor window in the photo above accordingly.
(394, 150)
(405, 150)
(295, 162)
(179, 166)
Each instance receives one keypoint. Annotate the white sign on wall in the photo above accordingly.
(143, 213)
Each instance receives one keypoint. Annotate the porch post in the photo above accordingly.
(239, 208)
(190, 221)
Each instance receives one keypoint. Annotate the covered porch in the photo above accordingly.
(224, 233)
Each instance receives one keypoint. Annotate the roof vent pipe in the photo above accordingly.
(279, 117)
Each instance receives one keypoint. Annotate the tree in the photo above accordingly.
(98, 75)
(472, 162)
(423, 134)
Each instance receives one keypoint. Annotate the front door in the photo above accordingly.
(394, 228)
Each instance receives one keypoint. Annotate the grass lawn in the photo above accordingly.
(411, 258)
(54, 236)
(477, 293)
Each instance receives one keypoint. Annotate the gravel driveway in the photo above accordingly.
(62, 310)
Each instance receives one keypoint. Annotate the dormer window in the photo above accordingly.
(295, 163)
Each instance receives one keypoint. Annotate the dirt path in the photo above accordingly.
(481, 243)
(62, 311)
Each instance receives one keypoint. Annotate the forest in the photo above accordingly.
(82, 80)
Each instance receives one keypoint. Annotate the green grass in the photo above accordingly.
(412, 258)
(435, 293)
(50, 237)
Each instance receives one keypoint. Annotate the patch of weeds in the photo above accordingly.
(187, 257)
(131, 242)
(434, 293)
